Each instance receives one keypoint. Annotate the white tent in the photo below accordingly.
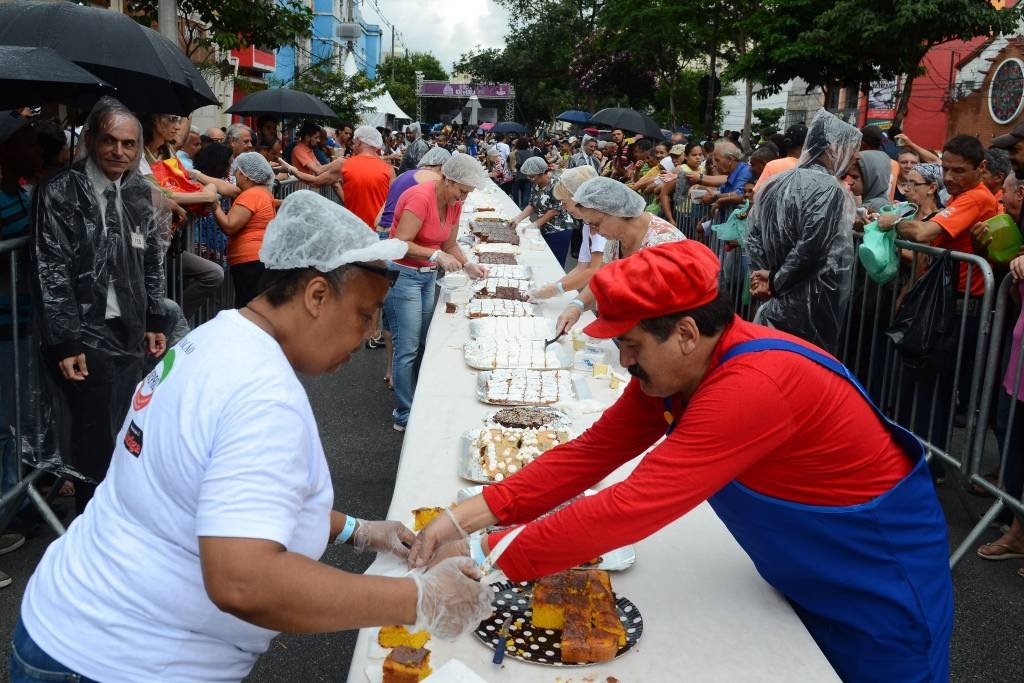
(381, 110)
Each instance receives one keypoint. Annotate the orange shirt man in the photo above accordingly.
(366, 177)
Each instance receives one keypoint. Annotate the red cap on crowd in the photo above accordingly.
(653, 282)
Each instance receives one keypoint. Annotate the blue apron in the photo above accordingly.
(871, 582)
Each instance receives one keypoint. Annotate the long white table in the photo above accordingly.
(708, 615)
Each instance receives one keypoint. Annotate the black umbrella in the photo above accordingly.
(509, 127)
(574, 116)
(284, 102)
(151, 73)
(38, 75)
(628, 120)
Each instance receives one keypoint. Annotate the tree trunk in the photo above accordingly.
(672, 103)
(748, 113)
(709, 113)
(903, 105)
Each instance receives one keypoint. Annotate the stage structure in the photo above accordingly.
(446, 89)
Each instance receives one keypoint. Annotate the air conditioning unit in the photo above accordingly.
(349, 31)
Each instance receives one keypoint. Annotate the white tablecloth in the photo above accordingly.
(707, 614)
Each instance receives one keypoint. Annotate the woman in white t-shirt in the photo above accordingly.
(202, 542)
(579, 277)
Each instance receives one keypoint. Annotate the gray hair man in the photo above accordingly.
(239, 137)
(585, 157)
(416, 148)
(100, 284)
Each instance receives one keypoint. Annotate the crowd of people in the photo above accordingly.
(101, 206)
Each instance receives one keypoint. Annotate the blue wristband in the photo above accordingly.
(346, 531)
(578, 302)
(476, 550)
(560, 287)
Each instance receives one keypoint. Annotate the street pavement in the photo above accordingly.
(353, 411)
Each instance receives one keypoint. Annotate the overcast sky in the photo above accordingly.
(447, 28)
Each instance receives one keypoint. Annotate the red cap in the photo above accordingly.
(653, 282)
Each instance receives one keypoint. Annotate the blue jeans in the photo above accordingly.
(558, 242)
(409, 307)
(29, 662)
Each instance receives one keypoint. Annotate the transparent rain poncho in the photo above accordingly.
(311, 231)
(98, 249)
(610, 197)
(801, 231)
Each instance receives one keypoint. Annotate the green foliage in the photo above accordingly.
(837, 43)
(398, 73)
(768, 117)
(233, 23)
(344, 94)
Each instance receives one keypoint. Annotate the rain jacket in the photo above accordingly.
(413, 153)
(77, 258)
(801, 233)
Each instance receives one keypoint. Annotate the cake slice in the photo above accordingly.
(407, 665)
(397, 636)
(421, 517)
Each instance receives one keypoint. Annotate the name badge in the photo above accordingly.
(138, 240)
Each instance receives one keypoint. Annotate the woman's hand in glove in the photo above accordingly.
(451, 599)
(543, 292)
(570, 316)
(448, 262)
(441, 530)
(475, 270)
(383, 536)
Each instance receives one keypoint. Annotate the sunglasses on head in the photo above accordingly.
(391, 275)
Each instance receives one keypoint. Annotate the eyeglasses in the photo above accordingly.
(917, 184)
(391, 275)
(170, 118)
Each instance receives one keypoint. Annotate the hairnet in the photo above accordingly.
(465, 170)
(493, 152)
(368, 135)
(876, 178)
(570, 181)
(255, 167)
(311, 231)
(414, 128)
(534, 166)
(610, 197)
(435, 157)
(831, 141)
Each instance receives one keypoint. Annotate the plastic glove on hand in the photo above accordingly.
(569, 317)
(442, 529)
(383, 536)
(543, 292)
(475, 270)
(448, 262)
(450, 599)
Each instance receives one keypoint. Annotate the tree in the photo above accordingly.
(398, 73)
(344, 94)
(768, 117)
(231, 24)
(826, 42)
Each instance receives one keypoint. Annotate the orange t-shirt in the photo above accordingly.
(894, 180)
(365, 180)
(244, 245)
(775, 167)
(304, 159)
(964, 211)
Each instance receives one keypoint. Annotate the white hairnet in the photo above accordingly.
(465, 170)
(610, 197)
(368, 135)
(831, 141)
(414, 128)
(493, 152)
(571, 179)
(436, 156)
(534, 166)
(255, 167)
(311, 231)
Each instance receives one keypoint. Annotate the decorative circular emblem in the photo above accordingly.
(144, 394)
(1006, 91)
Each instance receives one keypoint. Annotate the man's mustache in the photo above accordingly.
(639, 373)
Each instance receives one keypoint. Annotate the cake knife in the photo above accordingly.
(503, 633)
(488, 566)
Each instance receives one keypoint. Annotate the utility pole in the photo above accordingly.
(392, 53)
(167, 16)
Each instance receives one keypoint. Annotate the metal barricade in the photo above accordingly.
(27, 447)
(1002, 407)
(285, 187)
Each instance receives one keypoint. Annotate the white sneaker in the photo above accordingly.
(398, 428)
(10, 543)
(5, 580)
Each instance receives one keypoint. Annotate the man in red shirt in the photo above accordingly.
(831, 501)
(366, 177)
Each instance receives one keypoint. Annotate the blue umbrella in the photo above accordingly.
(574, 116)
(509, 127)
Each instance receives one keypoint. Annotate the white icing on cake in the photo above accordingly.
(479, 308)
(529, 387)
(525, 328)
(489, 352)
